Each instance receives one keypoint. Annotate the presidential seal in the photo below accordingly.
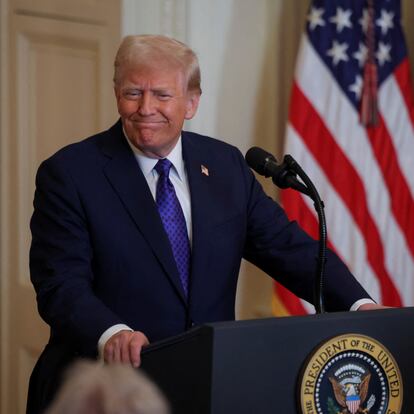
(351, 374)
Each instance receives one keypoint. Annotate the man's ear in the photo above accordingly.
(193, 99)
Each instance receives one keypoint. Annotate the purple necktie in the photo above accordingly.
(173, 220)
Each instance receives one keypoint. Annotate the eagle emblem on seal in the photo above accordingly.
(351, 393)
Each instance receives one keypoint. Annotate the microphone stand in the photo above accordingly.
(291, 169)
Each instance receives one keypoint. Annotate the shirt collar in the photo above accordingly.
(147, 164)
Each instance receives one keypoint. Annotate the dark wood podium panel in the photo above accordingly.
(247, 367)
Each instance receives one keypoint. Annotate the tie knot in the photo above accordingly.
(163, 166)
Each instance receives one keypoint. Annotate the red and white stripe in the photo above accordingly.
(365, 177)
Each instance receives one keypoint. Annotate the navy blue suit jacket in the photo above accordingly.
(100, 256)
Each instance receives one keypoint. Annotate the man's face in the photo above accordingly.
(153, 104)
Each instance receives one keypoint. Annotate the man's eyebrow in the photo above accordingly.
(162, 89)
(130, 87)
(155, 88)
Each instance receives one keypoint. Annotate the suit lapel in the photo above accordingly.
(202, 206)
(127, 180)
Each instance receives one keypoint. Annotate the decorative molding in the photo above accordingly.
(34, 142)
(4, 195)
(24, 128)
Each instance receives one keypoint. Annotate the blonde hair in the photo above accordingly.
(151, 50)
(94, 388)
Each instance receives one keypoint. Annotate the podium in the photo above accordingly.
(255, 366)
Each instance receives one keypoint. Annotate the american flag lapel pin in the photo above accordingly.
(204, 170)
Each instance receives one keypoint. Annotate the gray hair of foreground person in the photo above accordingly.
(94, 388)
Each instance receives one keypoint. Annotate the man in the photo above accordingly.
(138, 232)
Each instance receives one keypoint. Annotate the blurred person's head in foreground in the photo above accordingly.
(94, 388)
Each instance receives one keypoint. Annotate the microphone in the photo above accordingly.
(266, 164)
(284, 176)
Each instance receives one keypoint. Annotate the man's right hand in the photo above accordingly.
(125, 347)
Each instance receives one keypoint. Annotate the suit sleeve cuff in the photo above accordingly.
(108, 333)
(359, 303)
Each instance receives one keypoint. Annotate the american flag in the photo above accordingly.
(365, 174)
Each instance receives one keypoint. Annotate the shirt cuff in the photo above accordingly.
(108, 333)
(359, 303)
